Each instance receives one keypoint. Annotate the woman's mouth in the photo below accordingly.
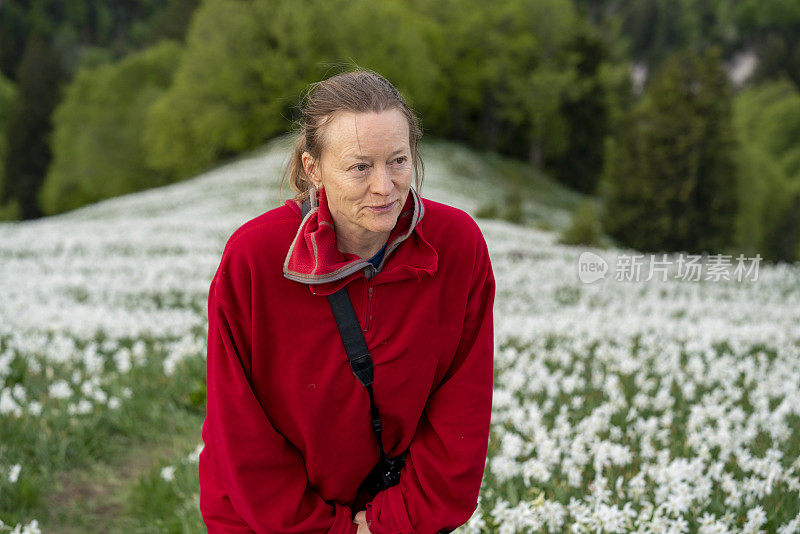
(382, 209)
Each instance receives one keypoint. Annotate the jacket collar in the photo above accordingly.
(315, 259)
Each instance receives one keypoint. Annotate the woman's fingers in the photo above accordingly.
(361, 519)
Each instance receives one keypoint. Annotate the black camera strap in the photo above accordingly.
(357, 353)
(355, 346)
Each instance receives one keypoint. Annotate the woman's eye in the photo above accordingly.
(400, 160)
(361, 167)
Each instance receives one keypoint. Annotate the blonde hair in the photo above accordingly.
(361, 91)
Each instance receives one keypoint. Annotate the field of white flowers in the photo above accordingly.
(619, 406)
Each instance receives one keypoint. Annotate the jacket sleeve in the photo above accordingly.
(440, 481)
(252, 479)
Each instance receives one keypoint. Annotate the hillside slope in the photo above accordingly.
(682, 395)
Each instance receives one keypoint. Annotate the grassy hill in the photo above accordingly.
(619, 404)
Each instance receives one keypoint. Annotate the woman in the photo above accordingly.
(288, 435)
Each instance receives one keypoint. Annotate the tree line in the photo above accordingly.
(691, 163)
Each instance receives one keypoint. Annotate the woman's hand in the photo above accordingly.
(361, 520)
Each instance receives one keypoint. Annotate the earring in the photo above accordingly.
(313, 196)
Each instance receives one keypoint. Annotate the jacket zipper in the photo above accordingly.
(370, 295)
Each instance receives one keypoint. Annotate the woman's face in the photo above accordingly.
(365, 164)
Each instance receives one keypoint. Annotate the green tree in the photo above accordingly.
(13, 31)
(506, 94)
(246, 63)
(767, 119)
(8, 93)
(586, 115)
(772, 29)
(768, 116)
(386, 37)
(784, 240)
(584, 228)
(764, 193)
(28, 156)
(650, 30)
(97, 138)
(670, 180)
(453, 107)
(542, 92)
(80, 27)
(243, 66)
(46, 41)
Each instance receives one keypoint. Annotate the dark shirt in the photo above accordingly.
(376, 259)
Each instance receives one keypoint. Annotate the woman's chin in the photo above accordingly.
(383, 223)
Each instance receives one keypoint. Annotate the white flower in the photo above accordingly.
(792, 527)
(534, 469)
(194, 456)
(19, 392)
(59, 390)
(100, 396)
(82, 408)
(756, 517)
(8, 405)
(512, 445)
(30, 528)
(504, 468)
(168, 473)
(35, 408)
(122, 358)
(13, 473)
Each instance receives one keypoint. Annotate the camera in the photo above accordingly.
(385, 474)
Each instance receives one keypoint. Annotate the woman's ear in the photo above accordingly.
(310, 167)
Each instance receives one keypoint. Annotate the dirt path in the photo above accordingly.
(93, 500)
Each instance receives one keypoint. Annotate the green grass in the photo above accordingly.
(91, 467)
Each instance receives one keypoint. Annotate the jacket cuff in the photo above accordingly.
(386, 513)
(343, 520)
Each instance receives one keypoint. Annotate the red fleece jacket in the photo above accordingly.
(287, 433)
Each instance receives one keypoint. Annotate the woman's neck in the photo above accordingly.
(364, 245)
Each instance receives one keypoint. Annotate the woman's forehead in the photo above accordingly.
(351, 134)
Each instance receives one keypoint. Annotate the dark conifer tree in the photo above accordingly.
(670, 181)
(581, 164)
(29, 124)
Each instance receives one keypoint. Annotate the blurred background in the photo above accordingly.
(137, 135)
(679, 120)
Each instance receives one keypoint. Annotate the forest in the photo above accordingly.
(682, 118)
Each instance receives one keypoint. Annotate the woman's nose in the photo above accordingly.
(381, 180)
